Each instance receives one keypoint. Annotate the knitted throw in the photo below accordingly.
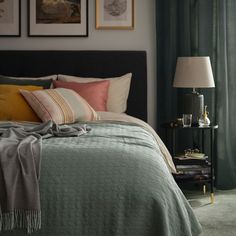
(20, 155)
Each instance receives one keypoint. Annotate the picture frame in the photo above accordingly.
(58, 19)
(115, 14)
(10, 18)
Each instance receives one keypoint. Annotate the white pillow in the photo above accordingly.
(118, 90)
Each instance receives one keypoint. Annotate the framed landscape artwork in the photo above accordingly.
(114, 14)
(10, 18)
(58, 18)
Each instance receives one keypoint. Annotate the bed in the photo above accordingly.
(116, 179)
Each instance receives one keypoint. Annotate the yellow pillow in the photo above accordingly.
(13, 106)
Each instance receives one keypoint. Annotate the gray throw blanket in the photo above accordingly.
(20, 155)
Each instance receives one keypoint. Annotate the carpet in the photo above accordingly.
(218, 219)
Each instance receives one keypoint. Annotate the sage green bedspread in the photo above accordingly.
(112, 181)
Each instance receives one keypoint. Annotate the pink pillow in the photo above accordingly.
(95, 93)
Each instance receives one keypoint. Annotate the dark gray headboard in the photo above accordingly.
(85, 64)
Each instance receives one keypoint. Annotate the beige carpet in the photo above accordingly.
(218, 219)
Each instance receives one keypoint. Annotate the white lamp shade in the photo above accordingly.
(193, 72)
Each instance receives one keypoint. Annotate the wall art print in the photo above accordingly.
(115, 14)
(58, 18)
(10, 18)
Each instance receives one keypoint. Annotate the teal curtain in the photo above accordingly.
(201, 28)
(224, 19)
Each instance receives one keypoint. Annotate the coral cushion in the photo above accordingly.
(13, 106)
(95, 93)
(118, 91)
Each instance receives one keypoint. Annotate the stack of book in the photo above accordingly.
(194, 166)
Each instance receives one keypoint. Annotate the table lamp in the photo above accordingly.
(193, 72)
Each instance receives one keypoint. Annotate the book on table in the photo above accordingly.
(193, 155)
(191, 159)
(192, 166)
(192, 172)
(192, 169)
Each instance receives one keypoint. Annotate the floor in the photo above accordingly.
(218, 219)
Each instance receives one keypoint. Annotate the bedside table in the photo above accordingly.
(194, 170)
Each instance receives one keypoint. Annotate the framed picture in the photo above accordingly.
(10, 24)
(114, 14)
(58, 18)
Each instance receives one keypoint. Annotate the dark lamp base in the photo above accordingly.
(193, 104)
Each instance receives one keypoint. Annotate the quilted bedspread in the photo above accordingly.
(112, 181)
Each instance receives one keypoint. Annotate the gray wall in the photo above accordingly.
(141, 38)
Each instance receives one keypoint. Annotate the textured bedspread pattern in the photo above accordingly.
(20, 156)
(112, 181)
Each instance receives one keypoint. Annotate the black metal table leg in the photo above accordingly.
(173, 143)
(203, 143)
(212, 164)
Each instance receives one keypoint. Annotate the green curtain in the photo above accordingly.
(201, 28)
(224, 19)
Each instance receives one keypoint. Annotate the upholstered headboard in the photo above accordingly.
(85, 64)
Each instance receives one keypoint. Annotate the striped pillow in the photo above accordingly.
(60, 105)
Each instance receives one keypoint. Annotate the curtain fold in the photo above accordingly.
(201, 28)
(225, 74)
(173, 39)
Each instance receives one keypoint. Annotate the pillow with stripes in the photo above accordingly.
(63, 106)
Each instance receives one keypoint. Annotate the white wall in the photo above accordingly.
(141, 38)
